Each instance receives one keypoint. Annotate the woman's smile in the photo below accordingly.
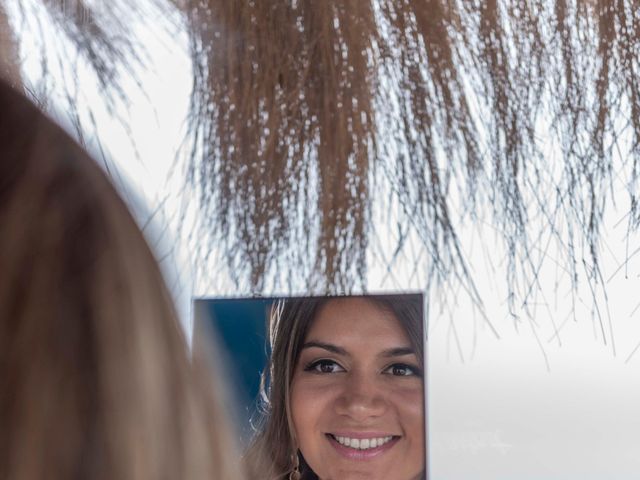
(361, 442)
(357, 395)
(364, 448)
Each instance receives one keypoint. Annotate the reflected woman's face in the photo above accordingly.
(357, 395)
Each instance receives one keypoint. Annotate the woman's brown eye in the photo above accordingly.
(403, 370)
(323, 366)
(326, 367)
(400, 370)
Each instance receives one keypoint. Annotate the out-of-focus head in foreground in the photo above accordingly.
(96, 379)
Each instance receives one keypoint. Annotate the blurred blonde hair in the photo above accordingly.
(96, 378)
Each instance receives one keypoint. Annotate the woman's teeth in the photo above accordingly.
(362, 443)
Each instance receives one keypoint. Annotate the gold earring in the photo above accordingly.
(295, 473)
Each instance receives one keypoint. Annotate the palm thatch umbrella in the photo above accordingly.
(299, 109)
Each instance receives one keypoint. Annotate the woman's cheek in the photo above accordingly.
(410, 399)
(314, 386)
(311, 400)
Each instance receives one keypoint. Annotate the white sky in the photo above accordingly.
(495, 410)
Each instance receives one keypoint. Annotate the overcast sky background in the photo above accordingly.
(529, 405)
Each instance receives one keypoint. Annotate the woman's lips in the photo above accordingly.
(388, 441)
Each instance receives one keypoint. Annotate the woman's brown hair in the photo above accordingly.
(96, 379)
(272, 453)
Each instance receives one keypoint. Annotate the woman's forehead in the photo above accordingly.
(356, 319)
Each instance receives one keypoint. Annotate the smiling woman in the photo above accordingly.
(345, 396)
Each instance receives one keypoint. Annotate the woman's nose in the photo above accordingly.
(362, 398)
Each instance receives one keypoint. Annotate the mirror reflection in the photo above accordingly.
(330, 387)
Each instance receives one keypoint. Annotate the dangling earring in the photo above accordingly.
(295, 473)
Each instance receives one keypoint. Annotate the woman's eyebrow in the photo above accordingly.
(326, 346)
(397, 352)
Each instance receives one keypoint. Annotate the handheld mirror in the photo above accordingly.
(325, 387)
